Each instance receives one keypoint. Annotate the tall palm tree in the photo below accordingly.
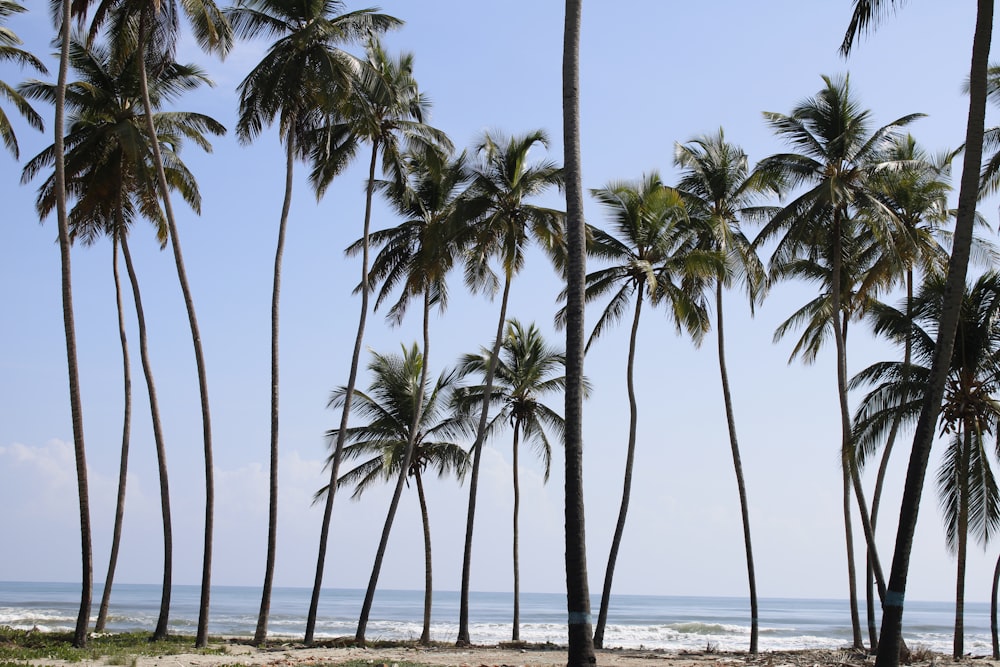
(304, 72)
(504, 221)
(391, 408)
(838, 153)
(717, 183)
(968, 491)
(9, 51)
(416, 257)
(388, 111)
(110, 175)
(913, 189)
(580, 640)
(524, 373)
(62, 20)
(654, 256)
(152, 29)
(865, 17)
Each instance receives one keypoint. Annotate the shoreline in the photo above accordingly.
(237, 651)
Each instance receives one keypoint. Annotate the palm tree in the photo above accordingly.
(838, 153)
(504, 221)
(968, 491)
(303, 73)
(717, 183)
(653, 257)
(395, 405)
(913, 189)
(416, 256)
(9, 43)
(69, 331)
(152, 29)
(111, 176)
(580, 639)
(864, 18)
(524, 373)
(388, 111)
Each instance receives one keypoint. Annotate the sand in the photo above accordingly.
(292, 655)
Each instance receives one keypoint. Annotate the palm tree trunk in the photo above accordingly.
(516, 632)
(581, 645)
(738, 467)
(425, 634)
(884, 462)
(338, 450)
(69, 328)
(958, 647)
(994, 631)
(477, 450)
(260, 636)
(161, 451)
(892, 608)
(609, 573)
(116, 535)
(418, 405)
(201, 640)
(845, 422)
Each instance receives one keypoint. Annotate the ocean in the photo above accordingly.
(650, 621)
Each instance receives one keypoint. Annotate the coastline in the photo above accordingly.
(238, 651)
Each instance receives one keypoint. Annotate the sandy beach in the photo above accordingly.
(291, 655)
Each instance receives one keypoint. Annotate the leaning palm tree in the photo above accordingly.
(416, 257)
(388, 111)
(151, 29)
(111, 177)
(304, 72)
(912, 188)
(504, 222)
(838, 152)
(580, 639)
(970, 415)
(408, 430)
(654, 256)
(9, 51)
(526, 371)
(866, 15)
(717, 184)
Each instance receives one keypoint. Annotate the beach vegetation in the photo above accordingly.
(822, 238)
(503, 220)
(653, 253)
(303, 77)
(528, 368)
(20, 646)
(408, 430)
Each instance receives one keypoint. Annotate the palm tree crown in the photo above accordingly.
(9, 51)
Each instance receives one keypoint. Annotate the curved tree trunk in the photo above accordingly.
(69, 330)
(201, 640)
(581, 645)
(418, 406)
(425, 634)
(116, 535)
(516, 631)
(738, 467)
(338, 450)
(892, 608)
(477, 450)
(161, 451)
(846, 442)
(883, 466)
(260, 635)
(609, 573)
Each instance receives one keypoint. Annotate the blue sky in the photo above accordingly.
(652, 73)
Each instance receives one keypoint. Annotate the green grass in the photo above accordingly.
(19, 646)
